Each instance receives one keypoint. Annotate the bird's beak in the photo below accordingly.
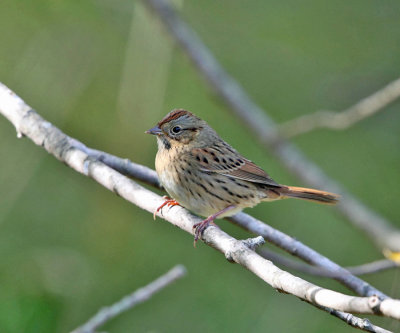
(155, 131)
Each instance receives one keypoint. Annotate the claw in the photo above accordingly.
(201, 226)
(168, 202)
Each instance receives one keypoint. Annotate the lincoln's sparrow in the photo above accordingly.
(204, 174)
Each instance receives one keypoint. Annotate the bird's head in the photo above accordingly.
(181, 128)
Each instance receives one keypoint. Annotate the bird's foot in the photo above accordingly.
(168, 202)
(201, 226)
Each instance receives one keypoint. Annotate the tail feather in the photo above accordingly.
(309, 194)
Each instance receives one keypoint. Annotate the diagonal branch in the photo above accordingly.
(247, 222)
(361, 323)
(325, 267)
(379, 229)
(139, 296)
(341, 120)
(29, 123)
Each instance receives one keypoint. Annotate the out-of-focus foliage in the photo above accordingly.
(104, 71)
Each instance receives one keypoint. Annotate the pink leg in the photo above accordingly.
(201, 226)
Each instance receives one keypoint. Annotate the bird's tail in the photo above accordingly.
(308, 194)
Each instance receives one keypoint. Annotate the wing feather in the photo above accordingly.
(223, 159)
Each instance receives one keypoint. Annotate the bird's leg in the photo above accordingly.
(169, 202)
(201, 226)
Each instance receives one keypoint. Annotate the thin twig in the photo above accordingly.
(369, 268)
(139, 296)
(379, 229)
(363, 324)
(344, 119)
(373, 267)
(28, 123)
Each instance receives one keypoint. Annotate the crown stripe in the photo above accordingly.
(173, 115)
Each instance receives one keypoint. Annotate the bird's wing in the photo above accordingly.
(224, 160)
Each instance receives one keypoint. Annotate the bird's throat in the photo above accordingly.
(163, 143)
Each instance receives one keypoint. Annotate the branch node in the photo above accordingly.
(253, 243)
(86, 165)
(375, 304)
(229, 257)
(366, 323)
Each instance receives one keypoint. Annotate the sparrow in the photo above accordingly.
(204, 174)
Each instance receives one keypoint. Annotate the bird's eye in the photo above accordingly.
(176, 129)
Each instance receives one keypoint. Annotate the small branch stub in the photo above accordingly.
(253, 243)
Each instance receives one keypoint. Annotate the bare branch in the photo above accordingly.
(139, 296)
(361, 323)
(30, 124)
(295, 247)
(325, 267)
(380, 230)
(245, 221)
(276, 237)
(344, 119)
(369, 268)
(122, 165)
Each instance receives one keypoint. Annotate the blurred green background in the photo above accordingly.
(105, 71)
